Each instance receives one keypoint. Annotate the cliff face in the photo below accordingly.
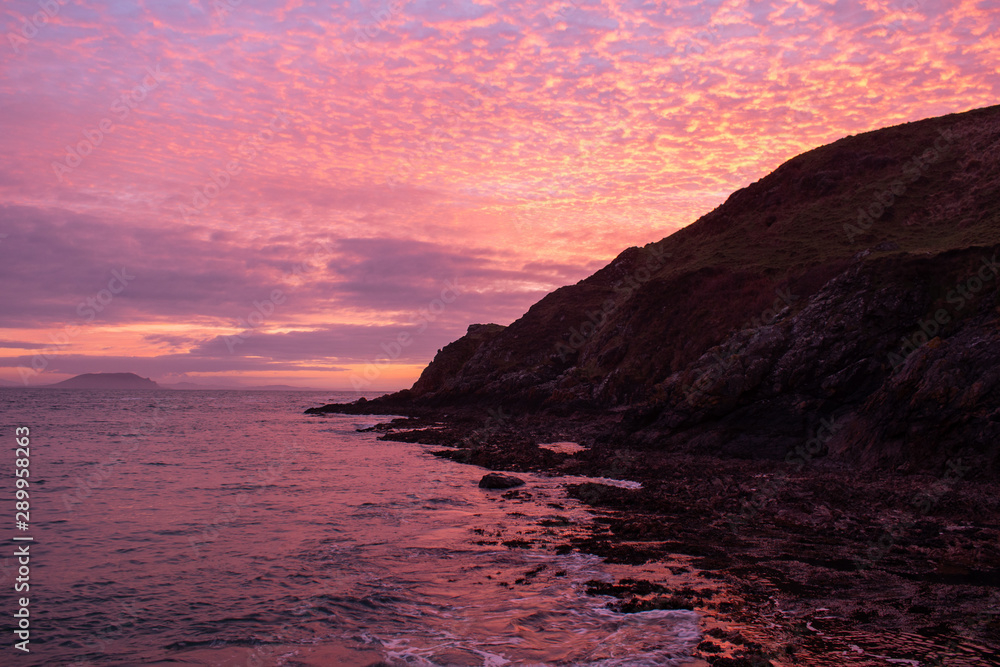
(892, 362)
(848, 300)
(448, 363)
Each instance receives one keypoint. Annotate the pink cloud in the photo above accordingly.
(507, 142)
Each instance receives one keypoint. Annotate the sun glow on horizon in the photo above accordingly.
(357, 158)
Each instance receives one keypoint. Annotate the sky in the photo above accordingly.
(324, 194)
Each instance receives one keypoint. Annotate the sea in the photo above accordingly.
(229, 528)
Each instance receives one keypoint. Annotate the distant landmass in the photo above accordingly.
(188, 386)
(106, 381)
(132, 381)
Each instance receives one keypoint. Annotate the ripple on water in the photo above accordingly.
(238, 531)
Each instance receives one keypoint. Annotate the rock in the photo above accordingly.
(495, 480)
(779, 340)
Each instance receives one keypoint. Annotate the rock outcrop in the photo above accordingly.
(447, 365)
(495, 480)
(845, 305)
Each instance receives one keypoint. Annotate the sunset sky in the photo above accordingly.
(176, 163)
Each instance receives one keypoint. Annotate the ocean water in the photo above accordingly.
(228, 528)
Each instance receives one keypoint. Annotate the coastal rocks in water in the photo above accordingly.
(495, 480)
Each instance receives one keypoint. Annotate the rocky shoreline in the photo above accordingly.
(812, 564)
(805, 384)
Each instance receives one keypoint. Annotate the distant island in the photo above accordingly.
(130, 381)
(106, 381)
(193, 386)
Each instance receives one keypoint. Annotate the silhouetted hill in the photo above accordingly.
(804, 304)
(448, 363)
(106, 381)
(193, 386)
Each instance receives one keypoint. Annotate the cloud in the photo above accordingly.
(447, 11)
(18, 345)
(514, 145)
(159, 366)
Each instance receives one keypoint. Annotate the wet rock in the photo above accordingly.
(495, 480)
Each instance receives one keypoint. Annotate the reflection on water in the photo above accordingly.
(228, 528)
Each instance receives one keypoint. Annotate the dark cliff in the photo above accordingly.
(447, 365)
(847, 300)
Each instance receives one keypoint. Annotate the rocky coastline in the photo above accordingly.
(804, 561)
(805, 382)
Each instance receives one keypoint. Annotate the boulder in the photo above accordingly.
(495, 480)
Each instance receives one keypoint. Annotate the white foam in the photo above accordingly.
(553, 621)
(606, 481)
(562, 447)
